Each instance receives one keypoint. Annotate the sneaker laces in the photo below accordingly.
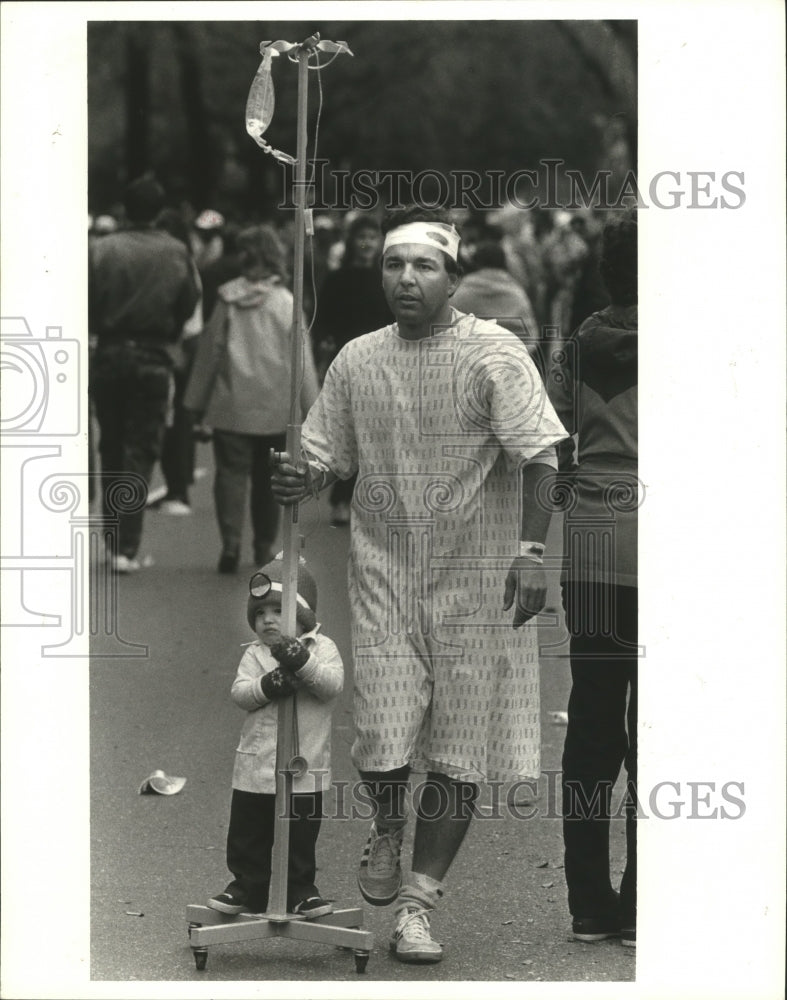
(384, 853)
(415, 923)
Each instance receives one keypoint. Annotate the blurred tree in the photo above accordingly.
(137, 93)
(584, 39)
(442, 96)
(201, 155)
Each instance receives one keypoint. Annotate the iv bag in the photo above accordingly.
(261, 100)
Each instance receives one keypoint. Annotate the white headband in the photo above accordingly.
(277, 588)
(431, 234)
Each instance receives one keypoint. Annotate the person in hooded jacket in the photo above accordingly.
(240, 387)
(600, 591)
(491, 292)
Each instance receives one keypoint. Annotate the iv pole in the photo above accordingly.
(342, 927)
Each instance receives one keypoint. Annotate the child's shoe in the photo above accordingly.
(313, 907)
(232, 900)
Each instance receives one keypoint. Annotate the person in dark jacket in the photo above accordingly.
(351, 302)
(141, 291)
(600, 596)
(178, 448)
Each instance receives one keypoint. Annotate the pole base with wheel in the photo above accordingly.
(341, 928)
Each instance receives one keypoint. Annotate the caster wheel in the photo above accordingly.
(361, 959)
(200, 958)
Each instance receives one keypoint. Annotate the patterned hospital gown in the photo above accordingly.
(437, 431)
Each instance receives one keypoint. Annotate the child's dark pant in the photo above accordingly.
(250, 841)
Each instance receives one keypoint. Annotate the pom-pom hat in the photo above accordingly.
(306, 600)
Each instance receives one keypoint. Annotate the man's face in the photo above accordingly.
(416, 283)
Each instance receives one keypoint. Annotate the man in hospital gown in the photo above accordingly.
(445, 420)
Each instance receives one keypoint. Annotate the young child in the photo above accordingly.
(309, 668)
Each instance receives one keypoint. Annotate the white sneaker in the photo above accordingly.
(411, 941)
(177, 507)
(122, 564)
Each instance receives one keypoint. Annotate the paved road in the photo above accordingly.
(504, 916)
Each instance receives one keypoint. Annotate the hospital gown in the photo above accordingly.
(437, 431)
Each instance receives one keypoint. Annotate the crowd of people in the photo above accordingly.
(445, 654)
(530, 271)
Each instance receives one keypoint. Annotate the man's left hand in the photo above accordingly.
(527, 582)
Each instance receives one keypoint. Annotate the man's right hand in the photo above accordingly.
(289, 484)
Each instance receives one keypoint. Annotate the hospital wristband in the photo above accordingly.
(533, 551)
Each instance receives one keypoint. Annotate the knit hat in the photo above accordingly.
(306, 604)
